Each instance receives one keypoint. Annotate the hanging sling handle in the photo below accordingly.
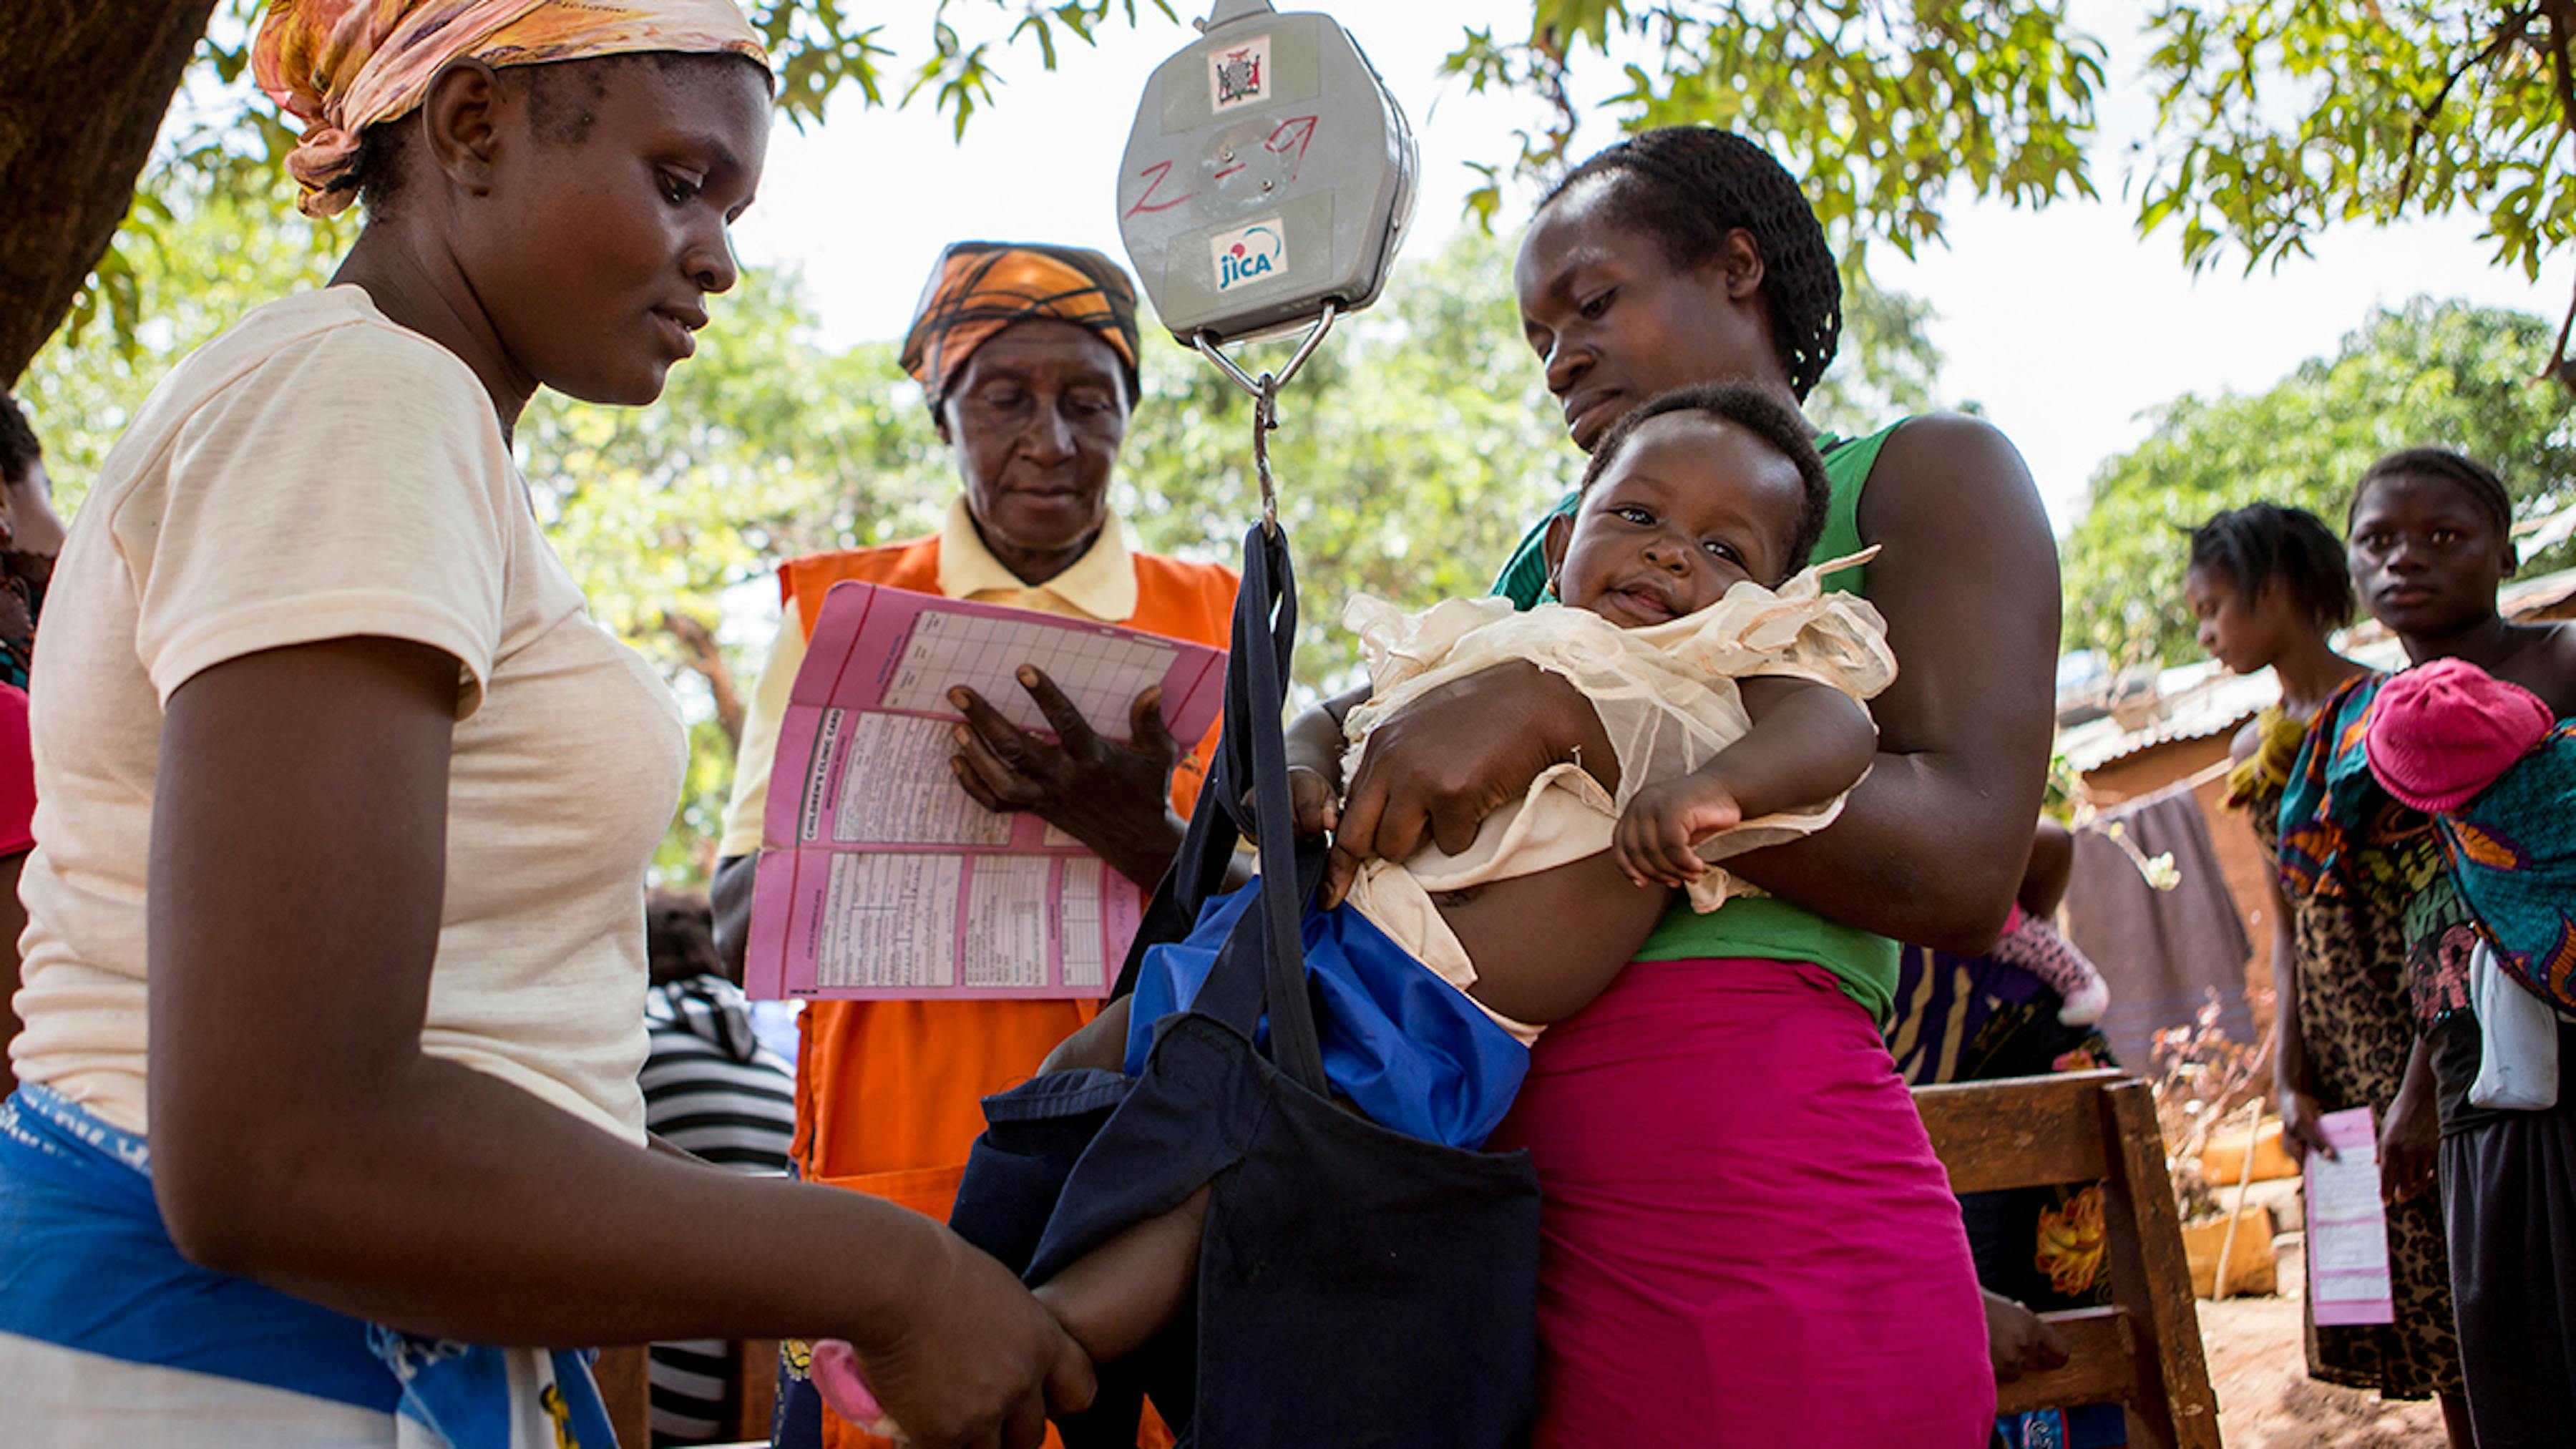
(1263, 964)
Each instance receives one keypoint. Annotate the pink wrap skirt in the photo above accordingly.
(1747, 1239)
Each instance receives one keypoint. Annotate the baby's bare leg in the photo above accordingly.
(1544, 945)
(1115, 1298)
(1099, 1043)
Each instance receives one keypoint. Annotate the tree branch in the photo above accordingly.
(2507, 31)
(2558, 13)
(707, 658)
(2566, 88)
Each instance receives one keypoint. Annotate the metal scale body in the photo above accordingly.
(1269, 176)
(1266, 185)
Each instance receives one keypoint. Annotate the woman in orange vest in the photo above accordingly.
(1028, 357)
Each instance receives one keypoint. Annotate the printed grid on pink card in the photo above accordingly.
(878, 876)
(1100, 673)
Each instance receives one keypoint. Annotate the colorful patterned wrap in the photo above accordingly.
(2512, 853)
(2496, 770)
(2341, 831)
(340, 66)
(2330, 799)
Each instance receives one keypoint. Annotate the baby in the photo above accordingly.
(2486, 759)
(1728, 686)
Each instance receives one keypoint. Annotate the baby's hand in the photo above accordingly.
(834, 1369)
(1312, 795)
(1652, 842)
(1312, 807)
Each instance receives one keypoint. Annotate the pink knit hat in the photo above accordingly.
(2441, 733)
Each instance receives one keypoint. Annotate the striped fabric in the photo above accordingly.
(710, 1088)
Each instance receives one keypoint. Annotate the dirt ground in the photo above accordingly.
(2266, 1399)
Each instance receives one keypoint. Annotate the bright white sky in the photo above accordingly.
(2062, 323)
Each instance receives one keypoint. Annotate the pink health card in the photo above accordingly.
(2347, 1229)
(879, 878)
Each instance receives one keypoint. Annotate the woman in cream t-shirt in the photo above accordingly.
(334, 974)
(567, 750)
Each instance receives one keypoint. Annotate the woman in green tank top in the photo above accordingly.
(1748, 1238)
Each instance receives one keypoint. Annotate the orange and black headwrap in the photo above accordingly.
(340, 66)
(979, 288)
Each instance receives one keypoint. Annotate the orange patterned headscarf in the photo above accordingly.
(978, 288)
(340, 66)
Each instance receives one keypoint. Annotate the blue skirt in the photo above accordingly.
(86, 1264)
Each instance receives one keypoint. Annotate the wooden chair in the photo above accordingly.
(625, 1385)
(2142, 1352)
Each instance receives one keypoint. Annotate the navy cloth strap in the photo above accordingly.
(1263, 966)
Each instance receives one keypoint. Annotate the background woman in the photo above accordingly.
(30, 536)
(2430, 540)
(1027, 356)
(335, 955)
(1741, 1204)
(2268, 585)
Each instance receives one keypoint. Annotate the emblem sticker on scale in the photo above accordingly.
(1239, 75)
(1249, 254)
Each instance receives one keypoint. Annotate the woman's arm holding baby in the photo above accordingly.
(1809, 743)
(1545, 945)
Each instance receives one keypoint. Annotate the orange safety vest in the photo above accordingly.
(889, 1094)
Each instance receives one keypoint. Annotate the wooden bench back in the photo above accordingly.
(2144, 1350)
(625, 1385)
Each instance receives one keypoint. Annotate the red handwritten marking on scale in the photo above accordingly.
(1297, 132)
(1153, 177)
(1293, 135)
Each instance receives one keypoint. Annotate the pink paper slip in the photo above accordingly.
(2346, 1226)
(879, 877)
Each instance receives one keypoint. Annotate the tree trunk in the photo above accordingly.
(83, 87)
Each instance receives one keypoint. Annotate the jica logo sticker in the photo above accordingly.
(1249, 254)
(1239, 75)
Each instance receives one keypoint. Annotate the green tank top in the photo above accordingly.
(1763, 927)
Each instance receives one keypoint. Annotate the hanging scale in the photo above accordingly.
(1265, 186)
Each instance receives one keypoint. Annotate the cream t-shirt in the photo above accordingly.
(316, 473)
